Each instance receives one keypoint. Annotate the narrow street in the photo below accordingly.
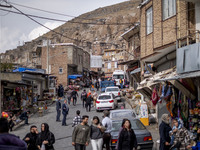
(63, 134)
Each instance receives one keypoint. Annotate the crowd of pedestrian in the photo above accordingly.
(175, 138)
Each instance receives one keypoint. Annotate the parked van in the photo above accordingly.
(117, 75)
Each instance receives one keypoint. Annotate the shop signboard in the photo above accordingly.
(144, 114)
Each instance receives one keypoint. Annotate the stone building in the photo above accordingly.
(167, 26)
(132, 54)
(111, 59)
(64, 59)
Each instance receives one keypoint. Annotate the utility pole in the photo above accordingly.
(47, 56)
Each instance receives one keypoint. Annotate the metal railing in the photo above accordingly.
(191, 38)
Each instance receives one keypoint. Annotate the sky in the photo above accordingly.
(16, 29)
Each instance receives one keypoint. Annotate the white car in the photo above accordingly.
(114, 90)
(106, 101)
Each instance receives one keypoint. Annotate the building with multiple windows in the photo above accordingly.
(64, 59)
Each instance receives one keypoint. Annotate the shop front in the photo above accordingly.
(176, 95)
(17, 97)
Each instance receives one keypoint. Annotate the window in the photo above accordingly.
(106, 54)
(115, 64)
(60, 70)
(149, 20)
(109, 65)
(169, 8)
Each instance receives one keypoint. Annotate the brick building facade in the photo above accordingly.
(64, 59)
(161, 26)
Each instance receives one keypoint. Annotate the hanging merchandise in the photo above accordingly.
(184, 108)
(154, 96)
(168, 92)
(170, 104)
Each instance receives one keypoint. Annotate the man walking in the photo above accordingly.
(58, 109)
(81, 134)
(77, 120)
(69, 95)
(74, 96)
(65, 110)
(83, 97)
(88, 101)
(121, 83)
(107, 123)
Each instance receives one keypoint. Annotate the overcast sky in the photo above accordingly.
(16, 29)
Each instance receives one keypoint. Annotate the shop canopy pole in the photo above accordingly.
(0, 87)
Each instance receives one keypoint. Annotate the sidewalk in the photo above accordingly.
(153, 128)
(22, 123)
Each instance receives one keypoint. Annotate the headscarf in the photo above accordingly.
(165, 118)
(45, 133)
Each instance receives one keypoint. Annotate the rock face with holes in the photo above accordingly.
(94, 31)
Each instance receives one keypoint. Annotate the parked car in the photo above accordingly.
(123, 113)
(106, 101)
(115, 90)
(144, 138)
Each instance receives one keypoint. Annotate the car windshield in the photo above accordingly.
(112, 90)
(117, 76)
(135, 124)
(104, 97)
(123, 114)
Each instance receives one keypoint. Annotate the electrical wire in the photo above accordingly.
(51, 12)
(41, 23)
(135, 2)
(59, 20)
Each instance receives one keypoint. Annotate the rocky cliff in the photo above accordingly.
(101, 25)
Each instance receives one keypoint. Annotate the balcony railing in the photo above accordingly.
(189, 39)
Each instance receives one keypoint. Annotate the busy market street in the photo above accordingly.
(100, 75)
(63, 134)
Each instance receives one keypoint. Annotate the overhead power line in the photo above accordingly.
(60, 20)
(41, 23)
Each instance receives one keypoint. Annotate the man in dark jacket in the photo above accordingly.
(164, 129)
(31, 138)
(74, 96)
(58, 109)
(65, 110)
(83, 97)
(60, 90)
(24, 116)
(88, 102)
(9, 141)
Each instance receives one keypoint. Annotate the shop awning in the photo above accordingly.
(183, 89)
(74, 76)
(129, 62)
(136, 71)
(176, 76)
(21, 69)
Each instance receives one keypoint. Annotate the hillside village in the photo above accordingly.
(154, 42)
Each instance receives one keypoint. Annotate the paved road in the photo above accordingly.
(62, 133)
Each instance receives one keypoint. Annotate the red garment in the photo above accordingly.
(154, 97)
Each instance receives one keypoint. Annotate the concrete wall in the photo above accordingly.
(11, 77)
(197, 14)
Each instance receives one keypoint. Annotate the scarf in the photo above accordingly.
(45, 133)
